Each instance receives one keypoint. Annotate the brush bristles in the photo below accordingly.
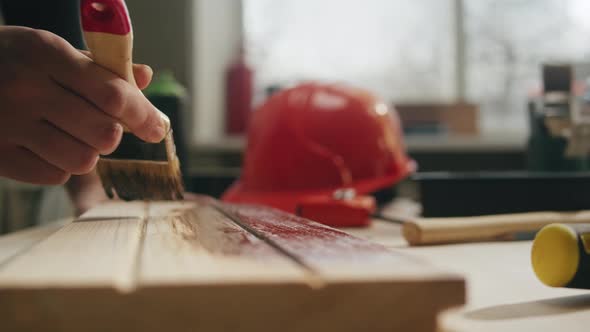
(133, 179)
(141, 179)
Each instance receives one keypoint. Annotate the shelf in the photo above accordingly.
(415, 143)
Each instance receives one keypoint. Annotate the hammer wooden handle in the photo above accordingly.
(424, 231)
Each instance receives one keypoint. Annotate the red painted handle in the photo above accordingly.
(108, 16)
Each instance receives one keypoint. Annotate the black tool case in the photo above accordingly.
(444, 194)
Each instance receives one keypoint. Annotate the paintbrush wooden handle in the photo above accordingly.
(109, 36)
(423, 231)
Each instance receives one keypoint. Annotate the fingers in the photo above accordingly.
(82, 120)
(59, 149)
(109, 93)
(118, 99)
(143, 73)
(26, 166)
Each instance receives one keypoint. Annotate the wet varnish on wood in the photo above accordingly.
(207, 266)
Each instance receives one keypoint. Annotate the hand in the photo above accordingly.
(86, 190)
(59, 110)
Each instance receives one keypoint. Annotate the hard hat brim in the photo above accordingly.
(288, 200)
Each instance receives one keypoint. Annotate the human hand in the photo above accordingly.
(59, 110)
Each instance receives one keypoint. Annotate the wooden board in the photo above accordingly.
(19, 242)
(188, 266)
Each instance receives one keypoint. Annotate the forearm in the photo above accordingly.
(85, 191)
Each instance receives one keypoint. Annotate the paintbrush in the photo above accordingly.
(136, 169)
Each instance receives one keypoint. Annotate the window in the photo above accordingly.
(506, 43)
(488, 51)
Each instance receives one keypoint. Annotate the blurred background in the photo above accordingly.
(463, 75)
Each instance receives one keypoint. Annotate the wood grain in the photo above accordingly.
(328, 251)
(13, 244)
(185, 266)
(89, 253)
(195, 243)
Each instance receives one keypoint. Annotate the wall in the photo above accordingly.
(196, 39)
(163, 39)
(162, 35)
(217, 33)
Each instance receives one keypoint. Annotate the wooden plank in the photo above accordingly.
(87, 253)
(186, 266)
(336, 256)
(18, 242)
(118, 238)
(199, 245)
(329, 251)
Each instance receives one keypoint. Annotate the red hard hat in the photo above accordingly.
(314, 139)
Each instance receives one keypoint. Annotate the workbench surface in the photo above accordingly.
(503, 294)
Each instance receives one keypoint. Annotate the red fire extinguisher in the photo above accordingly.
(238, 95)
